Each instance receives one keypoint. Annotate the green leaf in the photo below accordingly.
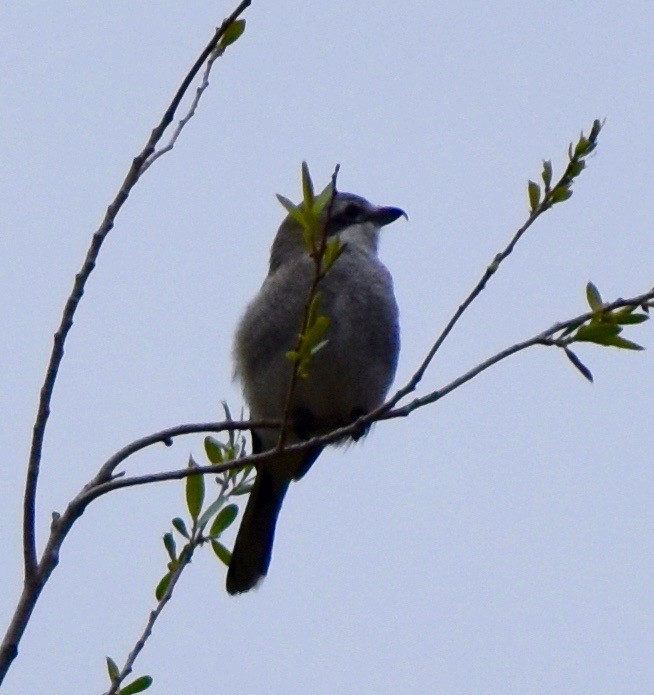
(547, 174)
(223, 520)
(534, 195)
(181, 527)
(624, 344)
(112, 668)
(233, 32)
(194, 492)
(315, 333)
(209, 512)
(221, 552)
(293, 210)
(582, 147)
(594, 297)
(287, 204)
(323, 198)
(595, 130)
(579, 364)
(307, 187)
(162, 586)
(214, 449)
(242, 489)
(575, 168)
(625, 316)
(333, 252)
(597, 333)
(314, 309)
(560, 194)
(137, 686)
(169, 544)
(293, 355)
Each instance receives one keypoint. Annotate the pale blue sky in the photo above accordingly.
(500, 542)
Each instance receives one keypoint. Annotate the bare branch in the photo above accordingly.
(34, 576)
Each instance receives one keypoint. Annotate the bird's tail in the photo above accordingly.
(254, 541)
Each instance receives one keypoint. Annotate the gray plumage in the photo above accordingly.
(349, 376)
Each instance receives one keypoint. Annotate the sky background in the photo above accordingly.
(499, 542)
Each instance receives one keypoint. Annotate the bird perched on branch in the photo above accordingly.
(347, 377)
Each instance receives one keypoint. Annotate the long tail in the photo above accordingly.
(254, 541)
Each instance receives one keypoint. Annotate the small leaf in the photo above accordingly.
(314, 309)
(315, 333)
(221, 552)
(233, 32)
(293, 210)
(214, 449)
(624, 344)
(595, 130)
(625, 316)
(194, 492)
(560, 194)
(323, 199)
(137, 686)
(579, 364)
(169, 543)
(162, 586)
(112, 668)
(286, 203)
(547, 174)
(534, 195)
(333, 252)
(242, 489)
(293, 355)
(307, 187)
(594, 297)
(223, 520)
(209, 512)
(597, 333)
(582, 147)
(575, 168)
(180, 526)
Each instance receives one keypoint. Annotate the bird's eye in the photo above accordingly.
(351, 212)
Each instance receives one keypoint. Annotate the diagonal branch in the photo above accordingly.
(36, 575)
(56, 356)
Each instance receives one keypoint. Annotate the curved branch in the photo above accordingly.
(37, 574)
(56, 356)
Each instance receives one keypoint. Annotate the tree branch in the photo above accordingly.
(34, 579)
(384, 412)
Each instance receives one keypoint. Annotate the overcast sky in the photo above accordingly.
(500, 542)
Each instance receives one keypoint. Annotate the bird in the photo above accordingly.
(347, 378)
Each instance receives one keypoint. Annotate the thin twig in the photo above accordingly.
(191, 112)
(476, 291)
(543, 206)
(317, 256)
(152, 619)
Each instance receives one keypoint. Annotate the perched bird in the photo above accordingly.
(346, 378)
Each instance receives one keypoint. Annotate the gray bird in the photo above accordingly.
(347, 378)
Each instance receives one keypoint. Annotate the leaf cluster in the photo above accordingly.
(602, 328)
(539, 201)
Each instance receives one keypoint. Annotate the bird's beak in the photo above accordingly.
(385, 215)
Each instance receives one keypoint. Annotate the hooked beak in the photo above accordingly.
(385, 215)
